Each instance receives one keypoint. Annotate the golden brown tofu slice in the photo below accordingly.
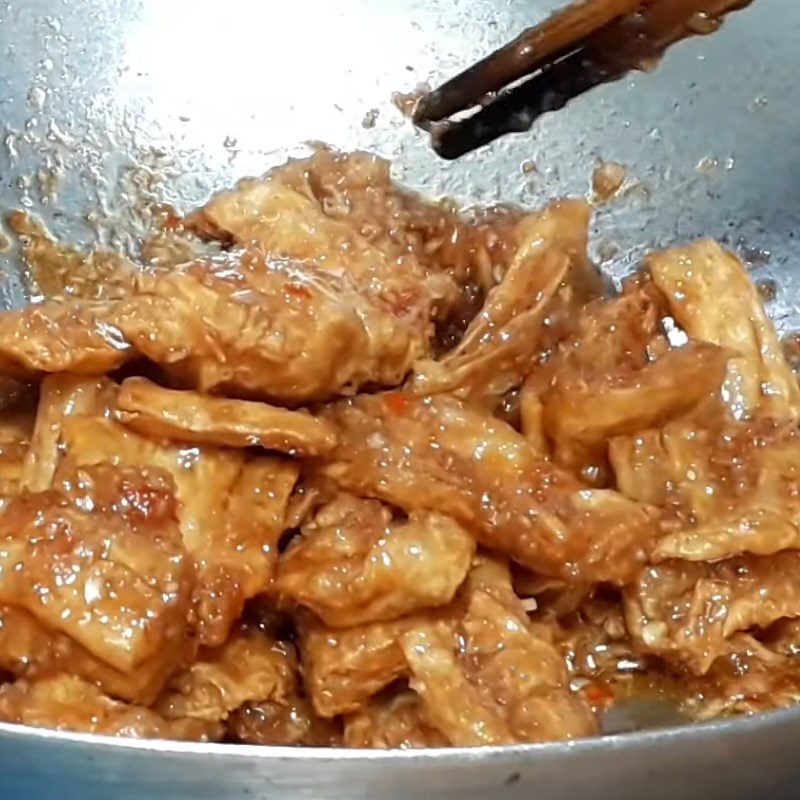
(187, 416)
(291, 721)
(231, 510)
(730, 488)
(713, 299)
(241, 324)
(434, 453)
(353, 564)
(344, 668)
(588, 413)
(101, 561)
(687, 612)
(453, 705)
(516, 663)
(393, 720)
(283, 216)
(495, 677)
(64, 702)
(60, 396)
(29, 649)
(249, 667)
(502, 342)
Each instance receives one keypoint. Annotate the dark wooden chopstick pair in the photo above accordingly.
(587, 43)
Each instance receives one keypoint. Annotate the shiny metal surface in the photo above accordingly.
(736, 760)
(109, 103)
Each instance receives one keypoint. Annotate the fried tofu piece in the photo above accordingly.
(353, 564)
(500, 344)
(64, 702)
(731, 488)
(688, 612)
(434, 453)
(29, 649)
(290, 722)
(492, 677)
(564, 226)
(549, 275)
(289, 214)
(69, 336)
(392, 721)
(231, 510)
(596, 348)
(344, 668)
(249, 667)
(17, 420)
(102, 562)
(452, 704)
(713, 299)
(357, 189)
(753, 529)
(609, 335)
(60, 396)
(586, 414)
(231, 507)
(241, 324)
(516, 664)
(186, 416)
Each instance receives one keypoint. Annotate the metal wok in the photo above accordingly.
(107, 103)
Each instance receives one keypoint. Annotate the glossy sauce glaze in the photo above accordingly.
(339, 465)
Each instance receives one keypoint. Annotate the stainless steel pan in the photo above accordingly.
(108, 103)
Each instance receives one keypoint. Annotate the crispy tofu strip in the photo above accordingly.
(117, 584)
(732, 488)
(515, 663)
(60, 396)
(760, 531)
(64, 702)
(505, 338)
(231, 510)
(29, 649)
(203, 478)
(344, 668)
(713, 299)
(249, 667)
(434, 453)
(688, 612)
(588, 413)
(564, 226)
(501, 343)
(453, 705)
(396, 720)
(187, 416)
(354, 565)
(240, 324)
(61, 336)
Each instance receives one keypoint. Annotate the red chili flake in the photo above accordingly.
(403, 302)
(396, 402)
(171, 220)
(298, 290)
(598, 695)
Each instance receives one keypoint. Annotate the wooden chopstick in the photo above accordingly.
(522, 56)
(587, 43)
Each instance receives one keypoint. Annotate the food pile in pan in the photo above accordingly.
(336, 465)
